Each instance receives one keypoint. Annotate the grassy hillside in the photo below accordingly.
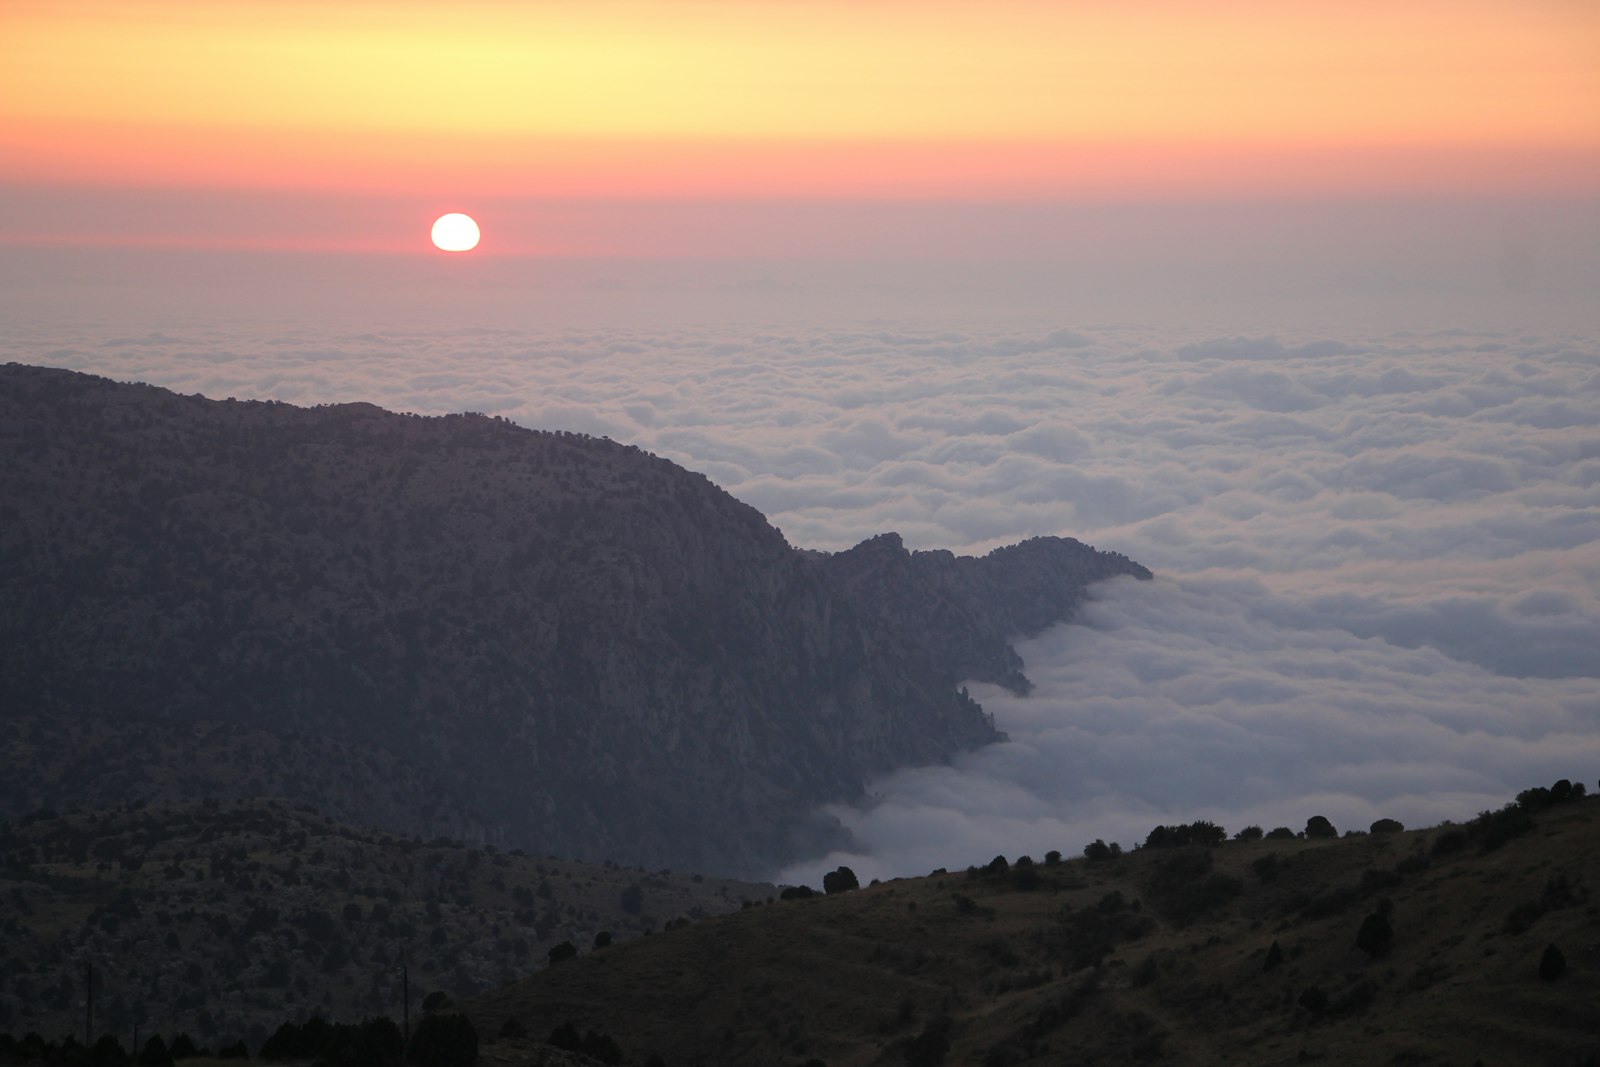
(1161, 955)
(224, 920)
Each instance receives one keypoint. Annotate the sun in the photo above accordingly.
(455, 232)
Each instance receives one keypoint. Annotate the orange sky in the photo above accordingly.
(822, 98)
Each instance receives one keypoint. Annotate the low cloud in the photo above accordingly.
(1177, 700)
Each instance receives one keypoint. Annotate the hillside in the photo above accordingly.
(1160, 955)
(457, 625)
(223, 920)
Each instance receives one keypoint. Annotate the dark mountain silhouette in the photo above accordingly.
(458, 625)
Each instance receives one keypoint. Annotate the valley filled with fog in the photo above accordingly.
(1377, 555)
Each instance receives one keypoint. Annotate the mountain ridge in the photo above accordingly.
(573, 645)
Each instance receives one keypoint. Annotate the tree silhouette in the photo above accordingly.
(840, 881)
(1318, 826)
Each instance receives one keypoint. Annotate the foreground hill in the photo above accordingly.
(223, 920)
(456, 625)
(1426, 947)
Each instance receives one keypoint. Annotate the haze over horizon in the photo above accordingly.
(1293, 305)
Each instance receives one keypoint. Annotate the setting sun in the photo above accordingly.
(455, 232)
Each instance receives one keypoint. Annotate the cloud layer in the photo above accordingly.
(1379, 555)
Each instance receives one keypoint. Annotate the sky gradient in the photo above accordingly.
(503, 108)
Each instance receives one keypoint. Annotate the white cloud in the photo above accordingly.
(1198, 699)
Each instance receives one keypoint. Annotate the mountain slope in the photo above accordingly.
(223, 920)
(566, 644)
(1248, 953)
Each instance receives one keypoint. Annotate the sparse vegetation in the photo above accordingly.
(236, 910)
(1097, 851)
(1167, 946)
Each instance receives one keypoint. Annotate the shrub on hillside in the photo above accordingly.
(1558, 893)
(1184, 888)
(842, 880)
(632, 899)
(1491, 829)
(1249, 833)
(1280, 833)
(1199, 832)
(1088, 935)
(1553, 964)
(1268, 867)
(1450, 842)
(1376, 936)
(1387, 826)
(1539, 797)
(1318, 827)
(1415, 863)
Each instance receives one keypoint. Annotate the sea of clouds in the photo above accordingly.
(1377, 557)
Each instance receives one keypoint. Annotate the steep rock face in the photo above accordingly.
(584, 648)
(960, 612)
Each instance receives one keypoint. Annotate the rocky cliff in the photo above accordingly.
(558, 642)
